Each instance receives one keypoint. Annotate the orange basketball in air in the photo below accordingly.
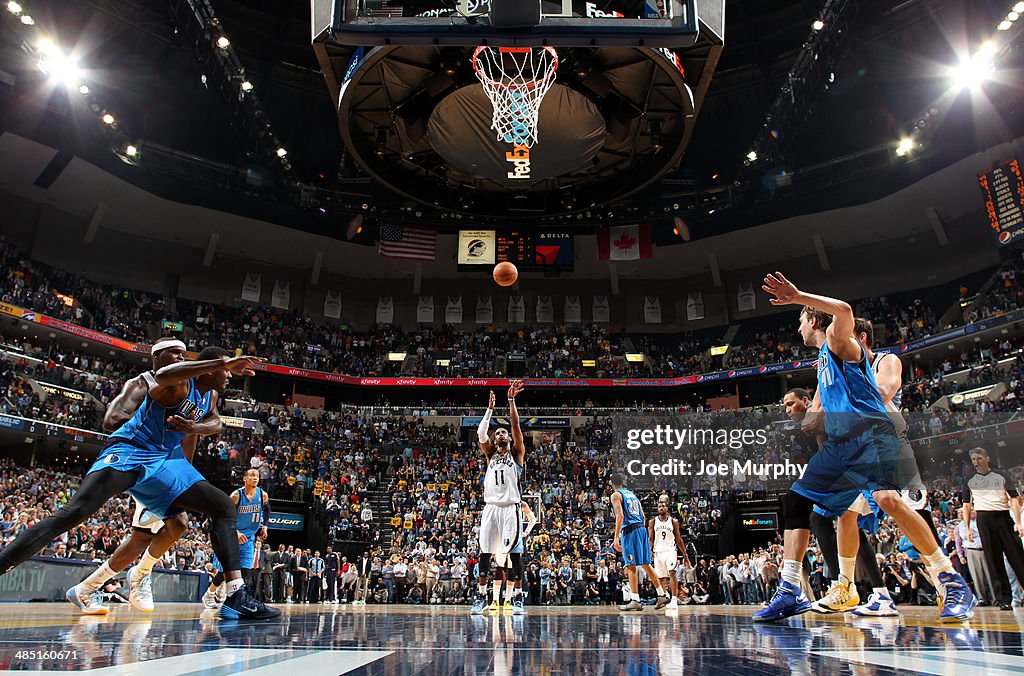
(505, 274)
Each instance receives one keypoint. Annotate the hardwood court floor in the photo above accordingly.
(313, 640)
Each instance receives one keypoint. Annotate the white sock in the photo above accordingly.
(938, 562)
(793, 572)
(481, 589)
(883, 592)
(633, 596)
(496, 592)
(847, 566)
(234, 585)
(99, 576)
(148, 561)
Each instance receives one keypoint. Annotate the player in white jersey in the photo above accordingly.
(500, 522)
(666, 543)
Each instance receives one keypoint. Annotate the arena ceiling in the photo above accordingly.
(890, 69)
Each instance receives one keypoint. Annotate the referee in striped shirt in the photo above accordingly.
(991, 494)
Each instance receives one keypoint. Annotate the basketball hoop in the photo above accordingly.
(516, 80)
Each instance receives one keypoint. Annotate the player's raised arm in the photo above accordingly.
(172, 380)
(486, 445)
(124, 405)
(889, 377)
(518, 446)
(839, 333)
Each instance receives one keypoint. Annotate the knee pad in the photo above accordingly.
(517, 566)
(797, 511)
(485, 565)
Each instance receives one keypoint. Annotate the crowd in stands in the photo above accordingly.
(289, 338)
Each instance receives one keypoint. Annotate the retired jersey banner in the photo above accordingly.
(282, 296)
(516, 310)
(652, 310)
(484, 310)
(746, 299)
(332, 305)
(425, 310)
(252, 285)
(545, 310)
(385, 310)
(694, 306)
(602, 312)
(453, 310)
(476, 247)
(573, 311)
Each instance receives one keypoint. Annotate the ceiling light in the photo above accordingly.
(974, 71)
(1004, 25)
(131, 151)
(60, 67)
(818, 25)
(108, 118)
(27, 20)
(752, 156)
(13, 8)
(281, 152)
(1019, 8)
(1013, 16)
(904, 147)
(246, 86)
(223, 42)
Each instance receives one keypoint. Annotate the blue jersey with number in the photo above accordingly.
(148, 428)
(847, 387)
(632, 512)
(250, 512)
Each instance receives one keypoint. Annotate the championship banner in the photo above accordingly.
(425, 310)
(453, 310)
(476, 247)
(484, 310)
(652, 310)
(545, 310)
(746, 300)
(601, 310)
(694, 306)
(332, 304)
(282, 296)
(573, 310)
(385, 310)
(252, 285)
(516, 310)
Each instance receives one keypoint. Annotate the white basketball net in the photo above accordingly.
(515, 80)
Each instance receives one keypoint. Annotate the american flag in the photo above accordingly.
(407, 242)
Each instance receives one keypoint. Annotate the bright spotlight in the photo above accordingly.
(27, 20)
(1019, 8)
(818, 25)
(1013, 16)
(246, 86)
(904, 147)
(108, 118)
(223, 42)
(1004, 25)
(131, 151)
(14, 8)
(60, 67)
(972, 72)
(752, 156)
(281, 152)
(84, 90)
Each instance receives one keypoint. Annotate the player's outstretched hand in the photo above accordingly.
(180, 424)
(490, 400)
(242, 366)
(515, 388)
(785, 291)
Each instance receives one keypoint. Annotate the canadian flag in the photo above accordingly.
(624, 243)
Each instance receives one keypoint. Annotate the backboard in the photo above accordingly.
(568, 23)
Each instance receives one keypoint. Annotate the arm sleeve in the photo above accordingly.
(481, 429)
(266, 512)
(966, 489)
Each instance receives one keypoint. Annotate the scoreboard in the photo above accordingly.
(1002, 188)
(546, 250)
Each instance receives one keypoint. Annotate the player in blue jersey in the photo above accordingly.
(633, 542)
(860, 453)
(144, 458)
(253, 507)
